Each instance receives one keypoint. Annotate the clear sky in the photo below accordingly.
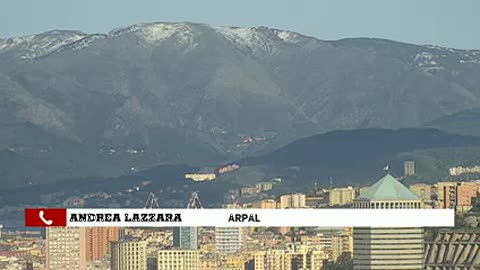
(439, 22)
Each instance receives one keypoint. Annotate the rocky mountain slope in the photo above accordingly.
(158, 93)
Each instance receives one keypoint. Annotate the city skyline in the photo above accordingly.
(239, 135)
(293, 249)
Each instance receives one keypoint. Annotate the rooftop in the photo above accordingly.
(388, 188)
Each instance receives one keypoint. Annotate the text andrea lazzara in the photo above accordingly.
(128, 217)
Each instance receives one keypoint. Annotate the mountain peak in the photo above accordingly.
(156, 32)
(33, 46)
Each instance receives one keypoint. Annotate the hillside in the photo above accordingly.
(338, 158)
(355, 157)
(169, 93)
(465, 123)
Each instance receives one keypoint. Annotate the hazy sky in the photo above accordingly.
(439, 22)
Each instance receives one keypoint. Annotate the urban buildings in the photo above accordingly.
(320, 240)
(457, 195)
(98, 241)
(10, 263)
(342, 241)
(289, 259)
(388, 248)
(229, 239)
(296, 200)
(128, 255)
(228, 168)
(341, 196)
(409, 168)
(332, 241)
(423, 191)
(200, 177)
(66, 248)
(178, 260)
(273, 260)
(235, 262)
(185, 237)
(264, 186)
(266, 204)
(311, 259)
(446, 194)
(467, 192)
(455, 171)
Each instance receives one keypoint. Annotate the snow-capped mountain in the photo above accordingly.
(154, 33)
(188, 92)
(30, 47)
(151, 34)
(260, 39)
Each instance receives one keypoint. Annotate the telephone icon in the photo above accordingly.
(46, 221)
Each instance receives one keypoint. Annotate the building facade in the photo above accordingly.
(388, 248)
(128, 255)
(341, 196)
(423, 191)
(185, 237)
(65, 248)
(264, 186)
(273, 260)
(312, 259)
(457, 195)
(178, 260)
(446, 194)
(266, 204)
(296, 200)
(98, 241)
(229, 239)
(342, 241)
(409, 168)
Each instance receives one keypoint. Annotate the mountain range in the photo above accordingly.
(74, 104)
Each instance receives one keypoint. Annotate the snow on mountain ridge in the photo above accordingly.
(12, 42)
(254, 39)
(257, 37)
(82, 43)
(153, 33)
(428, 62)
(33, 46)
(259, 40)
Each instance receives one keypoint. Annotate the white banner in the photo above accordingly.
(261, 217)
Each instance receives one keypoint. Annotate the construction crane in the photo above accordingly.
(152, 201)
(194, 202)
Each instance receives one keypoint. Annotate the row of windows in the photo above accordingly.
(388, 205)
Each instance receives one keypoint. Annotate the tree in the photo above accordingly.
(344, 262)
